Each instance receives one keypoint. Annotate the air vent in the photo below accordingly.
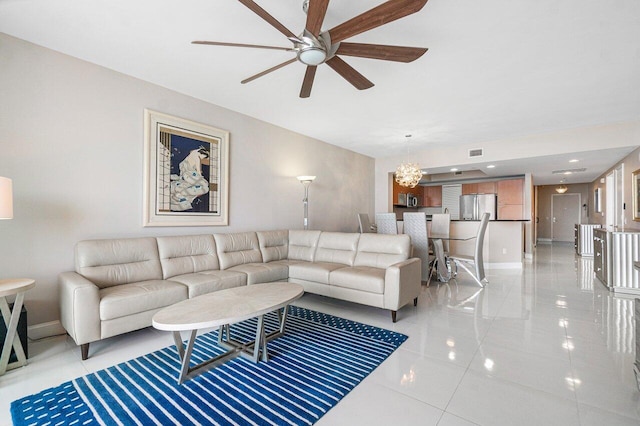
(475, 152)
(457, 173)
(568, 171)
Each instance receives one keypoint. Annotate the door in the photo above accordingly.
(565, 210)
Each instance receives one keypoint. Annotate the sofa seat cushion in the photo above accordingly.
(317, 271)
(262, 272)
(362, 278)
(208, 281)
(128, 299)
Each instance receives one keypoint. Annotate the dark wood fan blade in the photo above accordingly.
(373, 18)
(265, 15)
(257, 46)
(265, 72)
(315, 15)
(379, 51)
(348, 73)
(307, 83)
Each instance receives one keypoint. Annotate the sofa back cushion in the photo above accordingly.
(382, 250)
(118, 261)
(303, 245)
(237, 249)
(337, 247)
(274, 245)
(187, 254)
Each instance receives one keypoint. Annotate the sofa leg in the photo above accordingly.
(415, 302)
(393, 316)
(84, 349)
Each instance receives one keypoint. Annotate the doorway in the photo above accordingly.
(565, 210)
(614, 192)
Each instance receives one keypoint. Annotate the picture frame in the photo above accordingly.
(186, 172)
(597, 200)
(635, 184)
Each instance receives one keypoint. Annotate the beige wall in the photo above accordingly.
(71, 137)
(545, 215)
(631, 163)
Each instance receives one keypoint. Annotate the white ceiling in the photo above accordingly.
(495, 69)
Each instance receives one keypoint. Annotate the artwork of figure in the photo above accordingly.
(190, 183)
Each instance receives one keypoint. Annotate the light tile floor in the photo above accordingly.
(546, 345)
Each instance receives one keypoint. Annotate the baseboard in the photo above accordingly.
(45, 329)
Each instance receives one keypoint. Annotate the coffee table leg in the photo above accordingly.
(11, 340)
(283, 318)
(259, 341)
(186, 356)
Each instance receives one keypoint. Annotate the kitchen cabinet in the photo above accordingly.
(583, 235)
(432, 196)
(510, 191)
(601, 255)
(510, 199)
(486, 187)
(479, 188)
(469, 188)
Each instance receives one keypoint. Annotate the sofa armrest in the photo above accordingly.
(402, 283)
(79, 307)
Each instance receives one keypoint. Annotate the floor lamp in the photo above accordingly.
(306, 181)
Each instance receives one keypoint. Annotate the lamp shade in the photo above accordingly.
(6, 198)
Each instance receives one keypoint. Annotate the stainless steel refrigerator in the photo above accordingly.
(473, 206)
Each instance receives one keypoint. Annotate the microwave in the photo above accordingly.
(408, 200)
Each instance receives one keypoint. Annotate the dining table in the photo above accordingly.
(444, 272)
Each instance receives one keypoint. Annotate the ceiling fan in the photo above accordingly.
(315, 47)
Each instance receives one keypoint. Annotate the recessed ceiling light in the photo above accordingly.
(454, 169)
(567, 173)
(574, 160)
(490, 166)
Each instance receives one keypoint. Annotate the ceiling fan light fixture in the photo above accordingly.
(312, 55)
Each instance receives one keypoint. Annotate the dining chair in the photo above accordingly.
(440, 225)
(415, 226)
(386, 223)
(365, 225)
(475, 261)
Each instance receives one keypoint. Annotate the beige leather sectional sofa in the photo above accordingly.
(119, 284)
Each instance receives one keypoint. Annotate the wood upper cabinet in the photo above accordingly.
(510, 191)
(486, 187)
(469, 188)
(510, 199)
(479, 188)
(432, 196)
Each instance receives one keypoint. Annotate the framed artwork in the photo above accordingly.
(186, 172)
(635, 176)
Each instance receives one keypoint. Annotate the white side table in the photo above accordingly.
(8, 288)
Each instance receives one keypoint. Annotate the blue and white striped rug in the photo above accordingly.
(315, 364)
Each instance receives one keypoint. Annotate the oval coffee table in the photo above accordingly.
(222, 308)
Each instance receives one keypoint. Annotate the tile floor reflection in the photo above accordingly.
(545, 345)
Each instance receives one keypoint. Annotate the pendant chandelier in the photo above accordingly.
(408, 174)
(562, 188)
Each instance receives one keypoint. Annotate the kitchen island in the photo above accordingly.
(503, 242)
